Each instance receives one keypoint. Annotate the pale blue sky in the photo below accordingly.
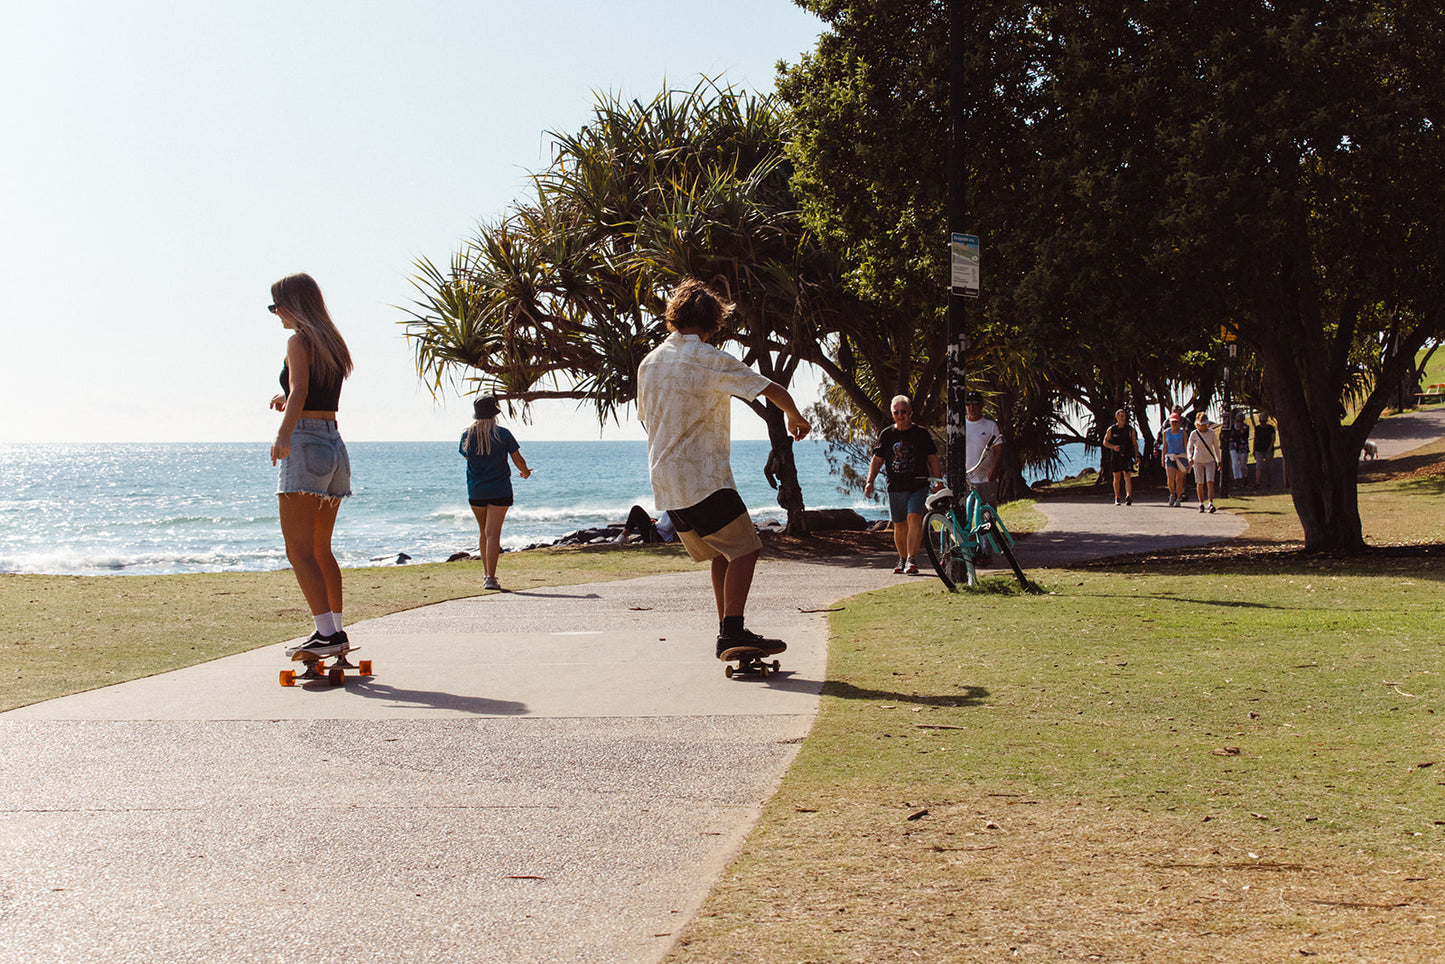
(164, 162)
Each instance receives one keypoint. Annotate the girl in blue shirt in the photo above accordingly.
(1176, 458)
(487, 446)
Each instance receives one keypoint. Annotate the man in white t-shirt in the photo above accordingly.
(982, 441)
(685, 389)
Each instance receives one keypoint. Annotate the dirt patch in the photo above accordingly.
(1006, 877)
(826, 544)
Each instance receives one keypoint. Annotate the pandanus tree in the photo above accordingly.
(562, 296)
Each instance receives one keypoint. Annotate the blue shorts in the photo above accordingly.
(901, 505)
(318, 463)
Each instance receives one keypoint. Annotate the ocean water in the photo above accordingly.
(168, 508)
(165, 508)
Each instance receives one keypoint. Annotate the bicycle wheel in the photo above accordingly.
(1005, 543)
(941, 543)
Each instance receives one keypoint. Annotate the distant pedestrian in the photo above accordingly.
(906, 453)
(685, 389)
(1173, 443)
(487, 446)
(315, 470)
(1264, 438)
(982, 447)
(1238, 448)
(1204, 454)
(1121, 454)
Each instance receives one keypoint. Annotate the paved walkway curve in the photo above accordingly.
(550, 775)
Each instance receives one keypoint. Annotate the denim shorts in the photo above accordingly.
(901, 505)
(318, 463)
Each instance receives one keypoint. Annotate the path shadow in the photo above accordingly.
(966, 695)
(534, 594)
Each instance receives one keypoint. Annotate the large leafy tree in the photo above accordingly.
(1297, 155)
(1144, 175)
(870, 111)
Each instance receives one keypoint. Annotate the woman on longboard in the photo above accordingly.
(315, 471)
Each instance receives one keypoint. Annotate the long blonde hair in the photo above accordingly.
(485, 410)
(300, 295)
(480, 435)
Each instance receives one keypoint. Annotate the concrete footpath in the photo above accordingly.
(549, 775)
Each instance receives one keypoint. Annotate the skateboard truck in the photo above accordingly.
(749, 659)
(317, 670)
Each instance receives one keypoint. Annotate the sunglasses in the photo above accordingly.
(273, 309)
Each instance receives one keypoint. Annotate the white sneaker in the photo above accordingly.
(490, 582)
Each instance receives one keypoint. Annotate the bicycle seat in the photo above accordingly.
(940, 500)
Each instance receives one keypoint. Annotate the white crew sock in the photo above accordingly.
(323, 624)
(336, 622)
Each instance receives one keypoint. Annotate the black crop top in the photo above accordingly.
(319, 398)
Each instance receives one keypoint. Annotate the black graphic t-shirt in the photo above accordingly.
(905, 456)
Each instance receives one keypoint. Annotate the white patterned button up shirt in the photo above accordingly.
(685, 389)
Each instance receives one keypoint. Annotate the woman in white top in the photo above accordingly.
(1204, 454)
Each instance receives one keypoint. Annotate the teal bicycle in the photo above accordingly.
(960, 538)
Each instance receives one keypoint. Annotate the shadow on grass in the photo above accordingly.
(1243, 557)
(966, 695)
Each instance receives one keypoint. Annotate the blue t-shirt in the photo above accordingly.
(489, 476)
(1174, 441)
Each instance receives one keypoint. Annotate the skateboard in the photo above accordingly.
(317, 670)
(749, 659)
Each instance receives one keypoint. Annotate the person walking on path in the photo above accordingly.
(487, 446)
(685, 388)
(1175, 457)
(1121, 453)
(1264, 438)
(314, 469)
(907, 454)
(1204, 454)
(1238, 448)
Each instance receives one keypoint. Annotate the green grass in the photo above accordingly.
(1122, 687)
(1229, 756)
(1435, 370)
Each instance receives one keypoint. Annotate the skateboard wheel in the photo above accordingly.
(728, 670)
(365, 668)
(763, 670)
(336, 676)
(288, 677)
(777, 666)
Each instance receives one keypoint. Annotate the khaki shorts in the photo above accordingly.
(717, 526)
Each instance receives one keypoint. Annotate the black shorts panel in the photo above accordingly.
(712, 514)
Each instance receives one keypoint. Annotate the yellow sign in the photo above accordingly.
(1226, 334)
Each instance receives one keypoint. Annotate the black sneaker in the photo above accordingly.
(320, 647)
(748, 639)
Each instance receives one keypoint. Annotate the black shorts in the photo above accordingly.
(718, 525)
(504, 502)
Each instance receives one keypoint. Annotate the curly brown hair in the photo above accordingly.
(693, 306)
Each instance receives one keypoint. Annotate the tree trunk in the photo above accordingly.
(1012, 484)
(1321, 455)
(782, 470)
